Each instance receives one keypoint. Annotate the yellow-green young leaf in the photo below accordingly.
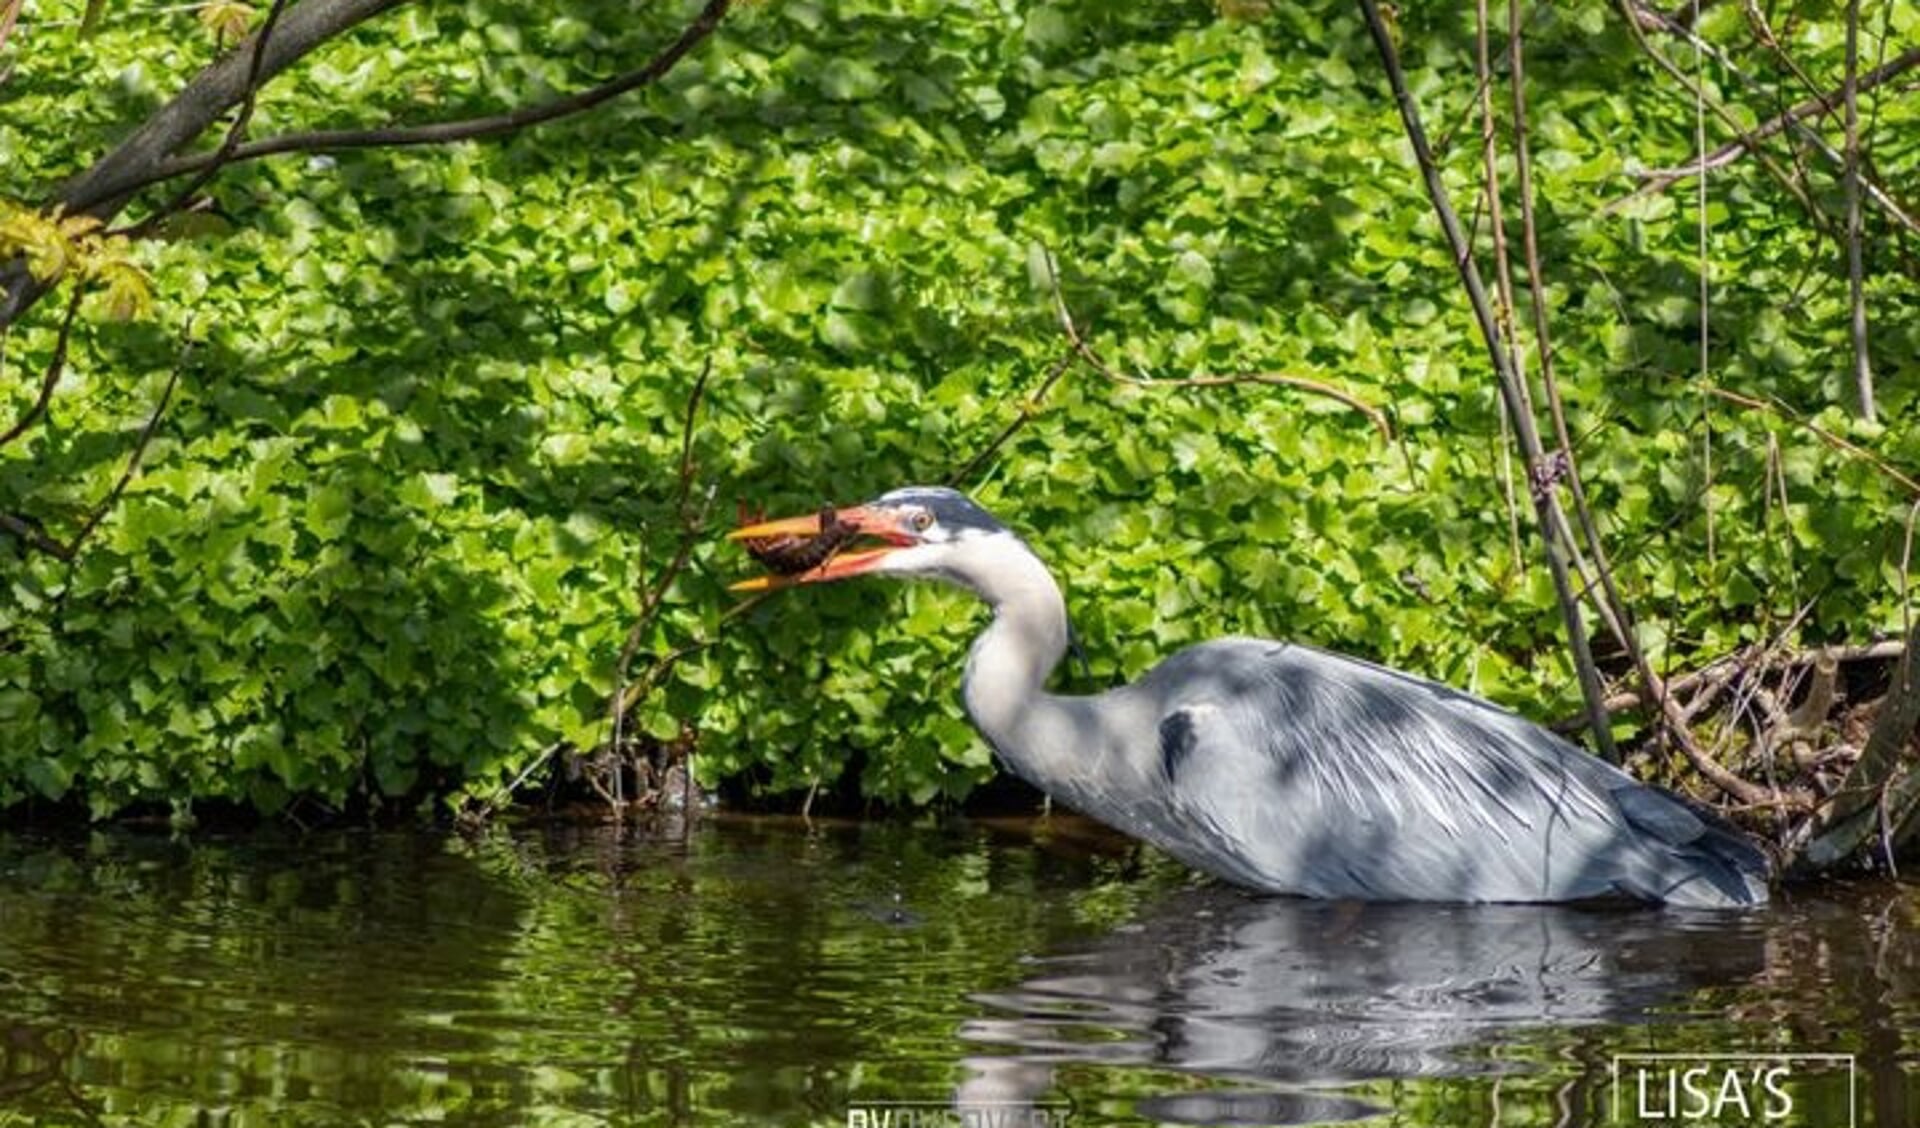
(54, 243)
(48, 251)
(227, 20)
(125, 289)
(75, 228)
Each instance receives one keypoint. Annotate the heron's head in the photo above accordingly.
(929, 531)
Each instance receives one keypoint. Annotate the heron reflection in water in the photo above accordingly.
(1277, 999)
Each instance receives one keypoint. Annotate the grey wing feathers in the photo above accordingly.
(1729, 863)
(1329, 776)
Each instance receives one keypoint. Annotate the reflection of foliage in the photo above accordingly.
(756, 974)
(564, 977)
(391, 547)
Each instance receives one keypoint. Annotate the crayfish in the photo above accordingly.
(789, 554)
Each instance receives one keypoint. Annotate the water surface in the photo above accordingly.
(767, 972)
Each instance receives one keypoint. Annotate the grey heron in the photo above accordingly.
(1287, 768)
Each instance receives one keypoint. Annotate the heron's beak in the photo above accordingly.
(871, 521)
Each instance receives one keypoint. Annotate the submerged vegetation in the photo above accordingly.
(354, 470)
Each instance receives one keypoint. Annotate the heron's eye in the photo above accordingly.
(921, 521)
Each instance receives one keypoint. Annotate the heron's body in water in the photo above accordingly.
(1290, 769)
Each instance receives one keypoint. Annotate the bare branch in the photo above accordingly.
(692, 523)
(103, 189)
(133, 460)
(694, 399)
(1856, 260)
(664, 663)
(1545, 502)
(1659, 179)
(235, 132)
(1608, 600)
(1278, 379)
(55, 368)
(1028, 410)
(1828, 437)
(1795, 185)
(1763, 31)
(1491, 197)
(1496, 212)
(468, 129)
(1632, 13)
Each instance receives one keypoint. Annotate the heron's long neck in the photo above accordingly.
(1008, 667)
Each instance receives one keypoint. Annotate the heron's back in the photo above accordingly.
(1294, 770)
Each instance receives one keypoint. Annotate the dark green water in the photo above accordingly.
(764, 973)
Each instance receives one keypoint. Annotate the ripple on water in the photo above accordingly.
(756, 972)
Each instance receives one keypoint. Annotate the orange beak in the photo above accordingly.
(870, 521)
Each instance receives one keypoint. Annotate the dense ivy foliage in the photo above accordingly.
(388, 538)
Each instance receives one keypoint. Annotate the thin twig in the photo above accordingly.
(133, 460)
(1872, 189)
(1856, 261)
(691, 525)
(1280, 379)
(1763, 31)
(1796, 186)
(1502, 261)
(1773, 498)
(694, 398)
(1443, 144)
(493, 804)
(1693, 87)
(1538, 466)
(1659, 179)
(1835, 441)
(1608, 600)
(1496, 215)
(55, 368)
(466, 129)
(1704, 276)
(663, 664)
(235, 132)
(1507, 494)
(1029, 409)
(1503, 270)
